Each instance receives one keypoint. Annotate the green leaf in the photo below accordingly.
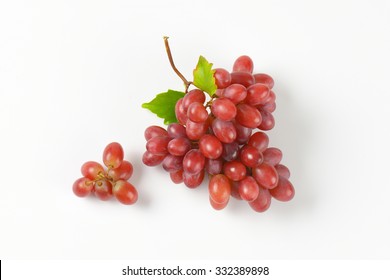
(204, 76)
(163, 105)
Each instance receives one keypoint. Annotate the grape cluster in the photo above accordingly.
(105, 183)
(217, 138)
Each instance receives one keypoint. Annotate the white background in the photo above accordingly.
(73, 76)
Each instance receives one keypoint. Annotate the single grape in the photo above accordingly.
(222, 78)
(219, 188)
(271, 97)
(262, 202)
(242, 78)
(264, 79)
(269, 107)
(177, 176)
(124, 171)
(259, 140)
(230, 151)
(125, 192)
(284, 191)
(158, 145)
(243, 64)
(282, 171)
(217, 206)
(248, 188)
(224, 109)
(250, 156)
(213, 166)
(197, 112)
(179, 146)
(176, 130)
(153, 131)
(224, 130)
(234, 190)
(193, 180)
(113, 155)
(243, 133)
(257, 94)
(248, 116)
(91, 170)
(103, 190)
(235, 92)
(272, 156)
(196, 130)
(210, 146)
(268, 121)
(180, 113)
(150, 159)
(172, 163)
(82, 187)
(266, 175)
(193, 162)
(195, 95)
(234, 170)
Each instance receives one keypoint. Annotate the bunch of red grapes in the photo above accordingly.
(105, 183)
(217, 138)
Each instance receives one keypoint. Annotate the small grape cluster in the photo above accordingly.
(216, 138)
(105, 183)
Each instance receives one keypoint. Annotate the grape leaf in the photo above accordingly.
(204, 76)
(163, 105)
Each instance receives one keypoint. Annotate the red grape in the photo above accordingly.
(264, 79)
(243, 133)
(259, 140)
(82, 187)
(265, 175)
(224, 130)
(248, 188)
(124, 171)
(217, 206)
(219, 189)
(242, 78)
(250, 156)
(113, 155)
(213, 166)
(197, 112)
(180, 113)
(234, 190)
(257, 94)
(92, 170)
(248, 116)
(125, 192)
(224, 109)
(235, 92)
(179, 146)
(196, 130)
(193, 162)
(272, 156)
(158, 145)
(210, 146)
(230, 151)
(172, 163)
(176, 130)
(234, 170)
(269, 107)
(195, 95)
(243, 64)
(177, 176)
(262, 202)
(268, 121)
(284, 191)
(150, 159)
(193, 180)
(282, 170)
(103, 189)
(222, 77)
(153, 131)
